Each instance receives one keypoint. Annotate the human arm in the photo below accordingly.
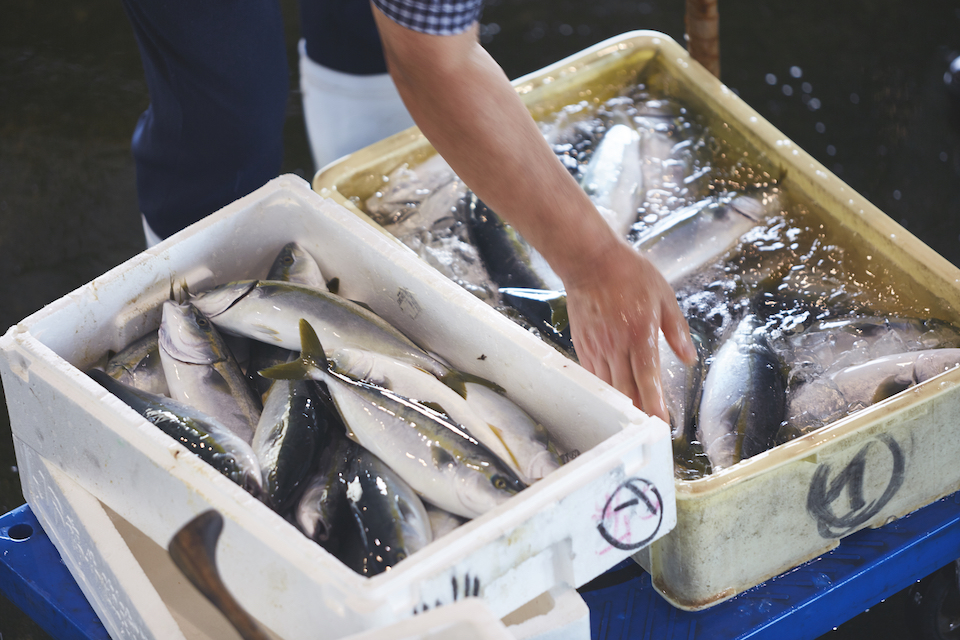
(467, 108)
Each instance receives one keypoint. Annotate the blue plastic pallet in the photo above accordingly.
(804, 603)
(33, 577)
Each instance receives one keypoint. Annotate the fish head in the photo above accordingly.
(187, 335)
(485, 484)
(217, 300)
(295, 264)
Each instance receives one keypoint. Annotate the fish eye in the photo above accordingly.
(287, 260)
(202, 322)
(499, 482)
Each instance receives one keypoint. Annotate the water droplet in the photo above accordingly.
(831, 150)
(787, 90)
(820, 127)
(566, 30)
(822, 580)
(896, 194)
(806, 87)
(944, 156)
(796, 71)
(814, 104)
(771, 79)
(854, 98)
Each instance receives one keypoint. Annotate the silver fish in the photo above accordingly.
(138, 365)
(743, 398)
(392, 522)
(850, 389)
(292, 264)
(530, 452)
(270, 311)
(409, 381)
(695, 236)
(202, 434)
(682, 385)
(441, 462)
(613, 178)
(295, 264)
(405, 188)
(830, 345)
(201, 371)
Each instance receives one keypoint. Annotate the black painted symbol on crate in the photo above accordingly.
(824, 492)
(632, 515)
(459, 590)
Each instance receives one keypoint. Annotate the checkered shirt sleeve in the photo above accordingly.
(434, 17)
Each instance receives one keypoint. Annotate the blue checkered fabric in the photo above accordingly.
(434, 17)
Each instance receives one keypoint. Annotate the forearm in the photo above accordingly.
(468, 109)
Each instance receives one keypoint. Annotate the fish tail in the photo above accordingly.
(312, 358)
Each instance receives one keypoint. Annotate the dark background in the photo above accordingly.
(858, 84)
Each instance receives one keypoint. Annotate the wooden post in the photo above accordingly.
(703, 33)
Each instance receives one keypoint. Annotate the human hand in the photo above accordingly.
(617, 308)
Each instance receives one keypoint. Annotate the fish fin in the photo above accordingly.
(499, 433)
(455, 381)
(442, 457)
(296, 370)
(311, 358)
(436, 407)
(333, 285)
(489, 384)
(890, 387)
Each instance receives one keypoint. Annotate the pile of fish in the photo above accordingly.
(332, 417)
(792, 332)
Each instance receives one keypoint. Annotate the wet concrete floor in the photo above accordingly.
(859, 85)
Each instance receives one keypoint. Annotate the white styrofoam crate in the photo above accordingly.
(564, 530)
(752, 521)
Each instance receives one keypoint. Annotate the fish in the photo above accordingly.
(391, 521)
(270, 311)
(416, 384)
(286, 438)
(744, 397)
(292, 264)
(201, 371)
(295, 264)
(321, 509)
(406, 188)
(200, 433)
(435, 456)
(682, 384)
(836, 343)
(838, 394)
(546, 310)
(485, 413)
(613, 178)
(532, 455)
(138, 364)
(509, 259)
(696, 235)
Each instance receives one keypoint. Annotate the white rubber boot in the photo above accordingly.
(149, 235)
(346, 112)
